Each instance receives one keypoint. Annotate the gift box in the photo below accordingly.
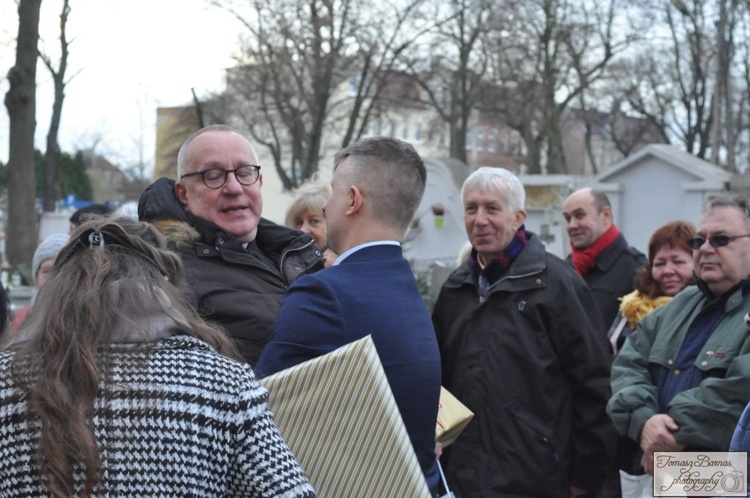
(338, 416)
(452, 418)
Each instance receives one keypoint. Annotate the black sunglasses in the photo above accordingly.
(715, 240)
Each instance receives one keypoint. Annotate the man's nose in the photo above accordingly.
(481, 217)
(232, 185)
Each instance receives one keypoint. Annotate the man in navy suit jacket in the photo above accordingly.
(370, 289)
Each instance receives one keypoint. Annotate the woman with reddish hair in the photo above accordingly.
(669, 270)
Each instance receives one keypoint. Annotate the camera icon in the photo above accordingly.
(732, 481)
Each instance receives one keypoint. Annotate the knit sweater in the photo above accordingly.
(182, 421)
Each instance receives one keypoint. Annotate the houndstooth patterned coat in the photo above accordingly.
(184, 421)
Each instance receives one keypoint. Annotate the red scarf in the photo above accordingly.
(585, 259)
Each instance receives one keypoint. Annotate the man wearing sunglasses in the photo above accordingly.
(681, 381)
(238, 265)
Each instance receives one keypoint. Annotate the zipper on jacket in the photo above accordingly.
(482, 298)
(285, 252)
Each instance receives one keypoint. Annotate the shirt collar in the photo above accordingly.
(354, 249)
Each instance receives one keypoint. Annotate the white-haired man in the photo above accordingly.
(519, 349)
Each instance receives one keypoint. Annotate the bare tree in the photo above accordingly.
(290, 67)
(380, 50)
(453, 80)
(554, 51)
(58, 77)
(309, 68)
(21, 104)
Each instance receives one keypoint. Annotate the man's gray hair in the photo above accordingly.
(181, 155)
(391, 173)
(600, 200)
(500, 180)
(729, 199)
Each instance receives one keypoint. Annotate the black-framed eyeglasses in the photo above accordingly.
(715, 240)
(216, 177)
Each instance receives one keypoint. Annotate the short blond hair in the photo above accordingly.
(310, 195)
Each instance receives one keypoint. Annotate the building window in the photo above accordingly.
(418, 133)
(393, 127)
(405, 131)
(504, 142)
(492, 141)
(380, 127)
(366, 129)
(480, 140)
(468, 139)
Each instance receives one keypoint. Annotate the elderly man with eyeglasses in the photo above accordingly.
(682, 380)
(238, 264)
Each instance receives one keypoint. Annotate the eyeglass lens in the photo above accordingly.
(715, 241)
(246, 175)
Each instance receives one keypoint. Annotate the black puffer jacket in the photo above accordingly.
(533, 366)
(232, 285)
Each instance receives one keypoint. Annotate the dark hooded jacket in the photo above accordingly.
(238, 287)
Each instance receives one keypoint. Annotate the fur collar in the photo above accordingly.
(636, 305)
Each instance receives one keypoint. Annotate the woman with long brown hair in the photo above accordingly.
(114, 386)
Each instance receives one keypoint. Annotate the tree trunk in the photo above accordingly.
(22, 234)
(555, 152)
(51, 193)
(534, 148)
(50, 156)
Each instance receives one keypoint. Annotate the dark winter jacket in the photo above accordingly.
(231, 285)
(613, 276)
(532, 364)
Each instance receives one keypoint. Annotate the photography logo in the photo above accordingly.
(700, 474)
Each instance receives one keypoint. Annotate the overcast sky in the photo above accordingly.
(128, 57)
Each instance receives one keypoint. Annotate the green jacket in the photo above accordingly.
(706, 414)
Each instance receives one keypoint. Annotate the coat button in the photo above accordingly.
(538, 281)
(206, 251)
(221, 240)
(677, 372)
(669, 362)
(704, 363)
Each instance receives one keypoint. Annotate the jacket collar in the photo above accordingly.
(531, 260)
(609, 256)
(743, 286)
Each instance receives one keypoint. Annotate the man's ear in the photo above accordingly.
(181, 192)
(607, 213)
(356, 200)
(520, 218)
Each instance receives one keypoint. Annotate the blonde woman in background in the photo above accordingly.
(306, 213)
